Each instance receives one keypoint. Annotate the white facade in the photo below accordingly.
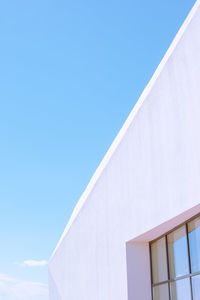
(148, 183)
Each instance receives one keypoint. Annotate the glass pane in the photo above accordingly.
(194, 242)
(180, 290)
(161, 292)
(159, 260)
(178, 252)
(196, 287)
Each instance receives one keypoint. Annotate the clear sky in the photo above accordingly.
(70, 73)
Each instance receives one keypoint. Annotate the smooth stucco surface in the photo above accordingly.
(150, 175)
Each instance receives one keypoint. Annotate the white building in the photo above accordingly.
(147, 185)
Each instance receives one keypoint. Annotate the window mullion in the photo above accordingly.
(166, 245)
(189, 258)
(151, 272)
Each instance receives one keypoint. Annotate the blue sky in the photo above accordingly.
(70, 73)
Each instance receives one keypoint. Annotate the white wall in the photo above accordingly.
(150, 175)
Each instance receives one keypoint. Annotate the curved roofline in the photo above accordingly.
(127, 124)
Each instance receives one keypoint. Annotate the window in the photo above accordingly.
(175, 263)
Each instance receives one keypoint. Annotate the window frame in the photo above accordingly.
(169, 281)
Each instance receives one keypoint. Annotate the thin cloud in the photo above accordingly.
(33, 263)
(17, 289)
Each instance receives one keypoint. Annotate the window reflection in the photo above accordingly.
(175, 263)
(180, 290)
(196, 287)
(159, 260)
(194, 242)
(161, 292)
(178, 252)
